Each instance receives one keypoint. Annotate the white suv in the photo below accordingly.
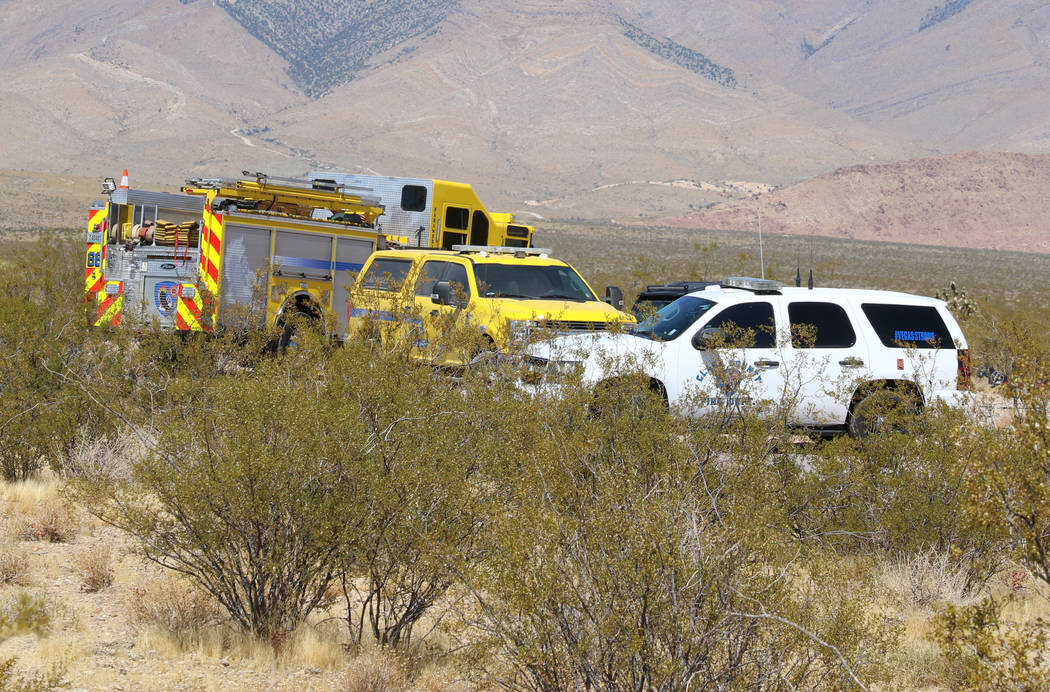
(827, 353)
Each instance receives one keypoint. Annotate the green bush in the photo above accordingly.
(43, 338)
(898, 493)
(640, 551)
(591, 540)
(270, 482)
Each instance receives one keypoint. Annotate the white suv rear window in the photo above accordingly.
(908, 326)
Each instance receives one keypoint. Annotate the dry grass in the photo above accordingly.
(927, 578)
(34, 510)
(376, 671)
(15, 564)
(53, 522)
(171, 605)
(94, 564)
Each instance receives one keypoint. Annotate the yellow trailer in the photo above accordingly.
(431, 213)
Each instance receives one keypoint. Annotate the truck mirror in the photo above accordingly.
(614, 296)
(442, 293)
(706, 337)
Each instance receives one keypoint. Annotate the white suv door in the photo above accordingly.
(728, 360)
(826, 357)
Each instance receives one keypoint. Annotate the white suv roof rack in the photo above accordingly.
(497, 250)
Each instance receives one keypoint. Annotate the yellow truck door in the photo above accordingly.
(378, 302)
(440, 342)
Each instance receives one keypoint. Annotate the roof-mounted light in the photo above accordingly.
(497, 250)
(750, 283)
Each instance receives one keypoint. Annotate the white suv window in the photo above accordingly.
(820, 325)
(908, 326)
(755, 320)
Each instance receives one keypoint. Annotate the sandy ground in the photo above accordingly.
(101, 648)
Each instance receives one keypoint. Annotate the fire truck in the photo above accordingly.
(252, 251)
(239, 252)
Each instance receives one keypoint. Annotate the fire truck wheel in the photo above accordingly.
(292, 325)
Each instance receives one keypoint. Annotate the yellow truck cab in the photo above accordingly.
(499, 294)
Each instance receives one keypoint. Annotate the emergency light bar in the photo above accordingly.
(498, 250)
(750, 283)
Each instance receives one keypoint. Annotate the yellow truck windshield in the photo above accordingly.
(530, 282)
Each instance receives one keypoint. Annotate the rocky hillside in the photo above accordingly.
(995, 201)
(327, 44)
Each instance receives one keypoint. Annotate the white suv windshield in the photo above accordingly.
(530, 282)
(671, 320)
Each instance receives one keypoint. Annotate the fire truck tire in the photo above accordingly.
(293, 325)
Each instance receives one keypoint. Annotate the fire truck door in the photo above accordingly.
(245, 267)
(350, 256)
(303, 262)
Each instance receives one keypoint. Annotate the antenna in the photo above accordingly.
(798, 266)
(811, 263)
(761, 257)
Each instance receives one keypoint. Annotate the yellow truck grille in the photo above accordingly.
(573, 326)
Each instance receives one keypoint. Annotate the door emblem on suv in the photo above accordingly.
(729, 377)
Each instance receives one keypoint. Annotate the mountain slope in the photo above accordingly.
(559, 102)
(327, 44)
(587, 108)
(979, 200)
(151, 82)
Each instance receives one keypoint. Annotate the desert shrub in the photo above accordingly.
(1006, 479)
(15, 567)
(376, 671)
(898, 493)
(53, 521)
(266, 484)
(641, 551)
(10, 681)
(43, 336)
(94, 566)
(174, 605)
(109, 457)
(241, 492)
(21, 615)
(928, 577)
(989, 652)
(1004, 338)
(422, 440)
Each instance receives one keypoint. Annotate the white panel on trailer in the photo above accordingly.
(413, 223)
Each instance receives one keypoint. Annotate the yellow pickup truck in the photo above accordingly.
(492, 297)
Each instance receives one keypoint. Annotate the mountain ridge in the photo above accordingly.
(574, 107)
(978, 200)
